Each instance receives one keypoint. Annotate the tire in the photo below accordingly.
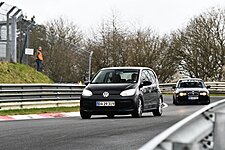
(110, 115)
(85, 115)
(174, 101)
(138, 110)
(206, 103)
(158, 111)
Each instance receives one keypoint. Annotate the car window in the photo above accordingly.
(191, 85)
(117, 76)
(144, 76)
(151, 76)
(148, 75)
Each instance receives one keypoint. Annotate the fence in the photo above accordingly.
(205, 129)
(9, 16)
(14, 34)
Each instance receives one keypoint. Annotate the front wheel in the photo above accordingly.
(158, 111)
(206, 103)
(175, 101)
(85, 115)
(138, 110)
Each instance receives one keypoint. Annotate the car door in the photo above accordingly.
(154, 94)
(146, 90)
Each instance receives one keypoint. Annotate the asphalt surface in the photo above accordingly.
(97, 133)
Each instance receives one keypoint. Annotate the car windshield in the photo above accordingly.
(191, 85)
(116, 76)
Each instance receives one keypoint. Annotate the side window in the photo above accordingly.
(144, 76)
(109, 77)
(151, 76)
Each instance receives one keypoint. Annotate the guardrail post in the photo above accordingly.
(219, 131)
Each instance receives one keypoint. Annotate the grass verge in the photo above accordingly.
(38, 110)
(20, 73)
(217, 95)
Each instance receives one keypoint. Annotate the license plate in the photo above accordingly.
(105, 103)
(192, 98)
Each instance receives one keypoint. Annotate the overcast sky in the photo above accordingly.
(160, 15)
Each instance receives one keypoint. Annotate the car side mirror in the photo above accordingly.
(174, 87)
(146, 83)
(86, 82)
(208, 86)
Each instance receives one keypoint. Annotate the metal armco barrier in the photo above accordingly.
(39, 92)
(216, 87)
(203, 130)
(47, 92)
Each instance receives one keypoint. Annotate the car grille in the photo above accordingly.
(193, 93)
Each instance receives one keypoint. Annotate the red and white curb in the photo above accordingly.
(39, 116)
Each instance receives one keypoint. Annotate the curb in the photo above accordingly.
(39, 116)
(41, 104)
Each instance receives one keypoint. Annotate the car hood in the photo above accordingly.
(111, 88)
(191, 89)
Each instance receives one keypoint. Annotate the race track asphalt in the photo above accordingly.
(97, 133)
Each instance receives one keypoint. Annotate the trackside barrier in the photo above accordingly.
(204, 129)
(18, 94)
(216, 87)
(52, 93)
(44, 92)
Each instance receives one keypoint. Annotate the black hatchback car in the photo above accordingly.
(121, 91)
(191, 91)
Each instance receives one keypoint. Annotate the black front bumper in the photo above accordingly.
(186, 100)
(123, 105)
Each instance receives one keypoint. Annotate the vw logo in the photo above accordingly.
(105, 94)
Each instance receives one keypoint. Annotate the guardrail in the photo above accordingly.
(37, 92)
(216, 87)
(205, 129)
(16, 96)
(56, 93)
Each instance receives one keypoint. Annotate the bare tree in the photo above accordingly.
(115, 45)
(62, 53)
(109, 45)
(168, 60)
(198, 49)
(202, 45)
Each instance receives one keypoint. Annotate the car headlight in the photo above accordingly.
(203, 93)
(182, 94)
(129, 92)
(86, 93)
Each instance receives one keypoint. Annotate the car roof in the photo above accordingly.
(140, 68)
(189, 79)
